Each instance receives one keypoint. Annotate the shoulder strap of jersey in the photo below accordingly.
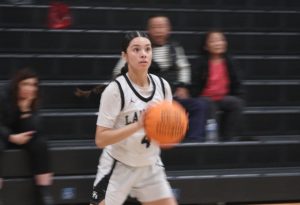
(121, 94)
(162, 86)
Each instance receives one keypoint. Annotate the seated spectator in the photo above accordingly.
(170, 62)
(19, 128)
(216, 80)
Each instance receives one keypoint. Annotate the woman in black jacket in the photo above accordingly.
(19, 128)
(216, 80)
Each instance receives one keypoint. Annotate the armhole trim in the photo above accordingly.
(121, 94)
(163, 87)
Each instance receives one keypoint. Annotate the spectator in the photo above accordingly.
(216, 80)
(19, 128)
(170, 62)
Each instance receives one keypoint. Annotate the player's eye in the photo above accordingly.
(148, 49)
(136, 49)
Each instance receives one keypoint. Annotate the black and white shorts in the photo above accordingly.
(115, 181)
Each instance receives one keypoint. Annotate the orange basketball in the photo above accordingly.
(166, 123)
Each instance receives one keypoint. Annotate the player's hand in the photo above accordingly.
(141, 120)
(21, 138)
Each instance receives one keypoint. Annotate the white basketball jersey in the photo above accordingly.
(122, 103)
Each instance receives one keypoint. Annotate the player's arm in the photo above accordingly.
(106, 136)
(110, 107)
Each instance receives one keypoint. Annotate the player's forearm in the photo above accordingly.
(105, 136)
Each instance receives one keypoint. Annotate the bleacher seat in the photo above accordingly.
(264, 41)
(207, 173)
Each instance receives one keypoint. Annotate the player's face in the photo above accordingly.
(28, 88)
(216, 43)
(159, 30)
(139, 54)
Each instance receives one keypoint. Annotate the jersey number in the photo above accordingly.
(146, 141)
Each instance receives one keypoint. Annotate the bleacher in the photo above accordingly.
(262, 165)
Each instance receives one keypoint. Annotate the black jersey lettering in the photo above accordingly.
(146, 141)
(129, 120)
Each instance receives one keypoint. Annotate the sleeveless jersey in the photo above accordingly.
(122, 103)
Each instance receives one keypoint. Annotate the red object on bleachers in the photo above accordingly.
(59, 15)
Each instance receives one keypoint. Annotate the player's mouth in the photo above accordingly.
(143, 62)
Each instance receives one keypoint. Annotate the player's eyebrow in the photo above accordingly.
(138, 45)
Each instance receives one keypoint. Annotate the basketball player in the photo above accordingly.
(171, 63)
(130, 164)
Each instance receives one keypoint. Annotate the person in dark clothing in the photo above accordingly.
(215, 79)
(19, 128)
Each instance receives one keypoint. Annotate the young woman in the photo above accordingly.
(216, 79)
(19, 128)
(130, 164)
(170, 62)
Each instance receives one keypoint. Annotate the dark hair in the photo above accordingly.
(126, 41)
(19, 76)
(130, 36)
(97, 90)
(204, 51)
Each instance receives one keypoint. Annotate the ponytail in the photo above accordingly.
(124, 69)
(96, 91)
